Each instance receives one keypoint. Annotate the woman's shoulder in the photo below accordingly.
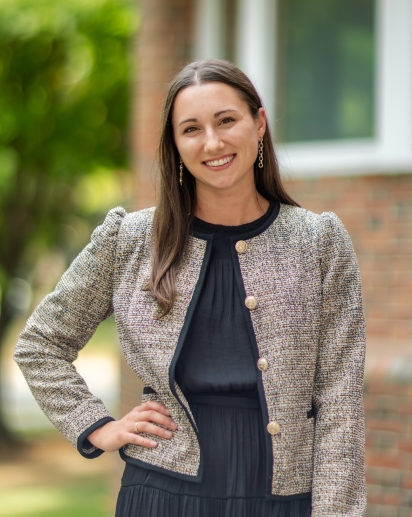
(132, 228)
(122, 222)
(136, 221)
(311, 220)
(326, 229)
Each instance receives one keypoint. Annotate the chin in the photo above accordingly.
(223, 185)
(225, 182)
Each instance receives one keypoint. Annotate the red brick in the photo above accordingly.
(370, 479)
(406, 408)
(375, 498)
(382, 387)
(405, 446)
(390, 478)
(380, 459)
(385, 425)
(390, 403)
(370, 404)
(407, 482)
(403, 329)
(392, 499)
(371, 440)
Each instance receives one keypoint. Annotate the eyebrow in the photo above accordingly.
(215, 115)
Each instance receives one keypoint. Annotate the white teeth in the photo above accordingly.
(216, 163)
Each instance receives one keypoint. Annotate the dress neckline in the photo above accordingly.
(202, 228)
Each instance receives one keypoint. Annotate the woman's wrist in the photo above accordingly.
(96, 437)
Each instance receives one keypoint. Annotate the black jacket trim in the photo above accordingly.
(83, 443)
(161, 470)
(180, 342)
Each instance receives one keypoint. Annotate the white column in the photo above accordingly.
(256, 47)
(394, 78)
(208, 29)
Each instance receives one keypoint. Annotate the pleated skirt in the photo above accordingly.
(232, 438)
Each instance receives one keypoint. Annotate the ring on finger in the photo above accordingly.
(136, 430)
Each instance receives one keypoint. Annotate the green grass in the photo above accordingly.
(80, 498)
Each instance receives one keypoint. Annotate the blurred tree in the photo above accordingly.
(65, 75)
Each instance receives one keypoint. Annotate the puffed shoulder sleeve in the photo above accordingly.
(339, 478)
(61, 325)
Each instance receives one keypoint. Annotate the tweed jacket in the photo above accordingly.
(307, 326)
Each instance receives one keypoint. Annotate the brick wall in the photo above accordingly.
(388, 411)
(162, 49)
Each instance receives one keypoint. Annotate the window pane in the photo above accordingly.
(325, 69)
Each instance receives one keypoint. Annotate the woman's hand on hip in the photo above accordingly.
(144, 418)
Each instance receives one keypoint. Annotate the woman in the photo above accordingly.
(241, 313)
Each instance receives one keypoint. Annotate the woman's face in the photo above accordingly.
(216, 135)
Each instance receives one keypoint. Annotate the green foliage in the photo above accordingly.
(65, 76)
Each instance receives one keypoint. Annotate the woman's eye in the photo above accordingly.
(227, 120)
(189, 130)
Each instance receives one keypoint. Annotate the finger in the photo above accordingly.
(147, 427)
(157, 418)
(150, 404)
(137, 439)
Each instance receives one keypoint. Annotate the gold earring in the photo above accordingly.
(181, 172)
(260, 164)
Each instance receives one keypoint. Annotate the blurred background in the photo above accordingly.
(81, 87)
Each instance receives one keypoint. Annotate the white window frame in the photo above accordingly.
(390, 151)
(208, 29)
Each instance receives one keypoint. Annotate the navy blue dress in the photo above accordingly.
(217, 373)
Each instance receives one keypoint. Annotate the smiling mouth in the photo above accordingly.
(222, 161)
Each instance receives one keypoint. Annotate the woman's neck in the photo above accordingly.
(229, 209)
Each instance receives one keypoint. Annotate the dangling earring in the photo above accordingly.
(260, 164)
(181, 172)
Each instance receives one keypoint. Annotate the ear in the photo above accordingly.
(261, 122)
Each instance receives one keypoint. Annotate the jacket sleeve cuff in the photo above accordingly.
(85, 448)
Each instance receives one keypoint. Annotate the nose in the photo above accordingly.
(212, 142)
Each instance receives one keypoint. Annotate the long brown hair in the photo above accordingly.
(175, 211)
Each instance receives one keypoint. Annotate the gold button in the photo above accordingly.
(263, 364)
(241, 246)
(273, 428)
(251, 302)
